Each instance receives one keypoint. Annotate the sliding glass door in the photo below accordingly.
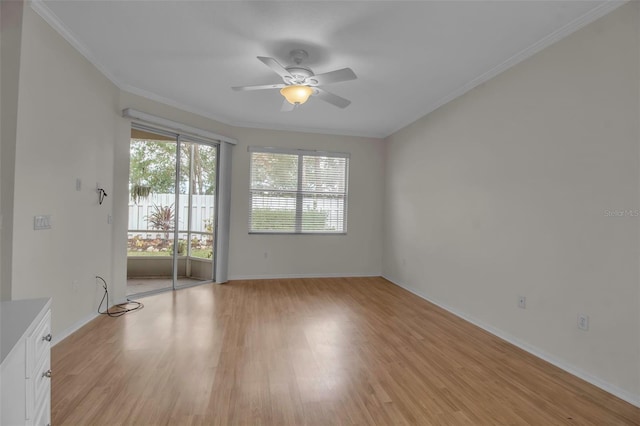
(197, 218)
(172, 211)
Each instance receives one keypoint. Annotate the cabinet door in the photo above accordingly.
(13, 385)
(43, 418)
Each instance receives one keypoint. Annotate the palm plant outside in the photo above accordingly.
(161, 219)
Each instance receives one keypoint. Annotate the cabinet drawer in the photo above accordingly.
(38, 343)
(38, 388)
(42, 382)
(43, 416)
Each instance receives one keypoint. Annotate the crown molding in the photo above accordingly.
(52, 19)
(40, 7)
(172, 103)
(302, 129)
(242, 124)
(580, 22)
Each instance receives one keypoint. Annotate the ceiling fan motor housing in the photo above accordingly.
(300, 75)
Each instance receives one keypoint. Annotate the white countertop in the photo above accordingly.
(15, 318)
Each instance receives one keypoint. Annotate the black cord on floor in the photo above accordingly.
(123, 308)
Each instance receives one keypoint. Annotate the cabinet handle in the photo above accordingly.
(47, 374)
(47, 337)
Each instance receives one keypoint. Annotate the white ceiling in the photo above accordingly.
(410, 57)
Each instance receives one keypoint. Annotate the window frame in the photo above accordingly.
(301, 153)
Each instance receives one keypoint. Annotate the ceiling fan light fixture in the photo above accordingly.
(296, 94)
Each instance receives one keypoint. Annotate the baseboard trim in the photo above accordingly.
(612, 389)
(59, 337)
(285, 276)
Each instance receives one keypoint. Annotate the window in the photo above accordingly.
(293, 191)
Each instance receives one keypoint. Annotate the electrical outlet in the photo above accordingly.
(583, 322)
(522, 302)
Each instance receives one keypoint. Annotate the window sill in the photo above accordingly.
(295, 233)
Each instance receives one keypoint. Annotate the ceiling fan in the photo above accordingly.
(299, 82)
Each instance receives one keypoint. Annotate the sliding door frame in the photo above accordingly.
(216, 145)
(179, 140)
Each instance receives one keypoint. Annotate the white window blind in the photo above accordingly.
(295, 191)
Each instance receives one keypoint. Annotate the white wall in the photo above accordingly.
(503, 192)
(67, 114)
(357, 253)
(11, 31)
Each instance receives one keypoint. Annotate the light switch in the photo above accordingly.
(41, 222)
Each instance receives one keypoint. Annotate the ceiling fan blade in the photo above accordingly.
(261, 87)
(287, 106)
(345, 74)
(275, 65)
(332, 99)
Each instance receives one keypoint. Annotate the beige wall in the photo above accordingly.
(11, 35)
(504, 192)
(67, 112)
(357, 253)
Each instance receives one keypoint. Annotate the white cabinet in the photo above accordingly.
(25, 372)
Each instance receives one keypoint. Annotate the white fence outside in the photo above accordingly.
(202, 208)
(331, 205)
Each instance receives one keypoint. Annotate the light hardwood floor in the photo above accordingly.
(309, 351)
